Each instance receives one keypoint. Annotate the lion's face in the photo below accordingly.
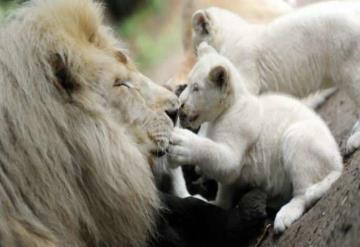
(157, 97)
(151, 129)
(148, 109)
(99, 69)
(73, 160)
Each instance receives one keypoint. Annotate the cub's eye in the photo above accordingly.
(119, 83)
(196, 88)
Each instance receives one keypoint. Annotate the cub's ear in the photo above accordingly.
(204, 48)
(219, 76)
(63, 77)
(200, 22)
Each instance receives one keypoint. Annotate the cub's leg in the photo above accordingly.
(225, 196)
(179, 184)
(313, 163)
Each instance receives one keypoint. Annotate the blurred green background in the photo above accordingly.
(150, 28)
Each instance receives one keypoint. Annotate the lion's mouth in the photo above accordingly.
(158, 153)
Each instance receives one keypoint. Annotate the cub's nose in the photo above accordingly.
(172, 114)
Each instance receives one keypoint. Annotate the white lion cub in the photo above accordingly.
(271, 141)
(314, 47)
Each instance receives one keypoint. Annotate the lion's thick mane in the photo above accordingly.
(70, 175)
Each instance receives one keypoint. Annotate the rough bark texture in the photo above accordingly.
(333, 221)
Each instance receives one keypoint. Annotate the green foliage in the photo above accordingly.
(146, 30)
(149, 36)
(129, 27)
(6, 6)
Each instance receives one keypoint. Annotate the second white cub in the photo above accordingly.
(271, 141)
(299, 53)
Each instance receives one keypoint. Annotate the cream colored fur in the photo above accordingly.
(71, 173)
(301, 3)
(151, 129)
(254, 11)
(299, 53)
(272, 141)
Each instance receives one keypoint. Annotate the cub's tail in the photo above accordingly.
(315, 100)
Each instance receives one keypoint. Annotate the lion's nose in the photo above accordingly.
(173, 114)
(159, 153)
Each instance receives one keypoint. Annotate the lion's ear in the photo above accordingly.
(219, 76)
(64, 79)
(200, 22)
(122, 57)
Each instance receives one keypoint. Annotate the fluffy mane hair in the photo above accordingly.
(69, 174)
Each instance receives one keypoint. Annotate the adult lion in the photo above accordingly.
(71, 172)
(67, 166)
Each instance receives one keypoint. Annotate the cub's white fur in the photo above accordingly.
(301, 3)
(301, 52)
(271, 141)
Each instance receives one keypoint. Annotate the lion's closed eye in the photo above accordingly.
(125, 83)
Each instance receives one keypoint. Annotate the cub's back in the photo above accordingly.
(284, 108)
(280, 113)
(334, 21)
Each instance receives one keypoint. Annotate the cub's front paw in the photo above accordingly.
(182, 147)
(287, 215)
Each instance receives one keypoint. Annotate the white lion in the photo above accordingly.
(298, 53)
(273, 142)
(71, 173)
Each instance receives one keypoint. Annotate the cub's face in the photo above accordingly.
(205, 96)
